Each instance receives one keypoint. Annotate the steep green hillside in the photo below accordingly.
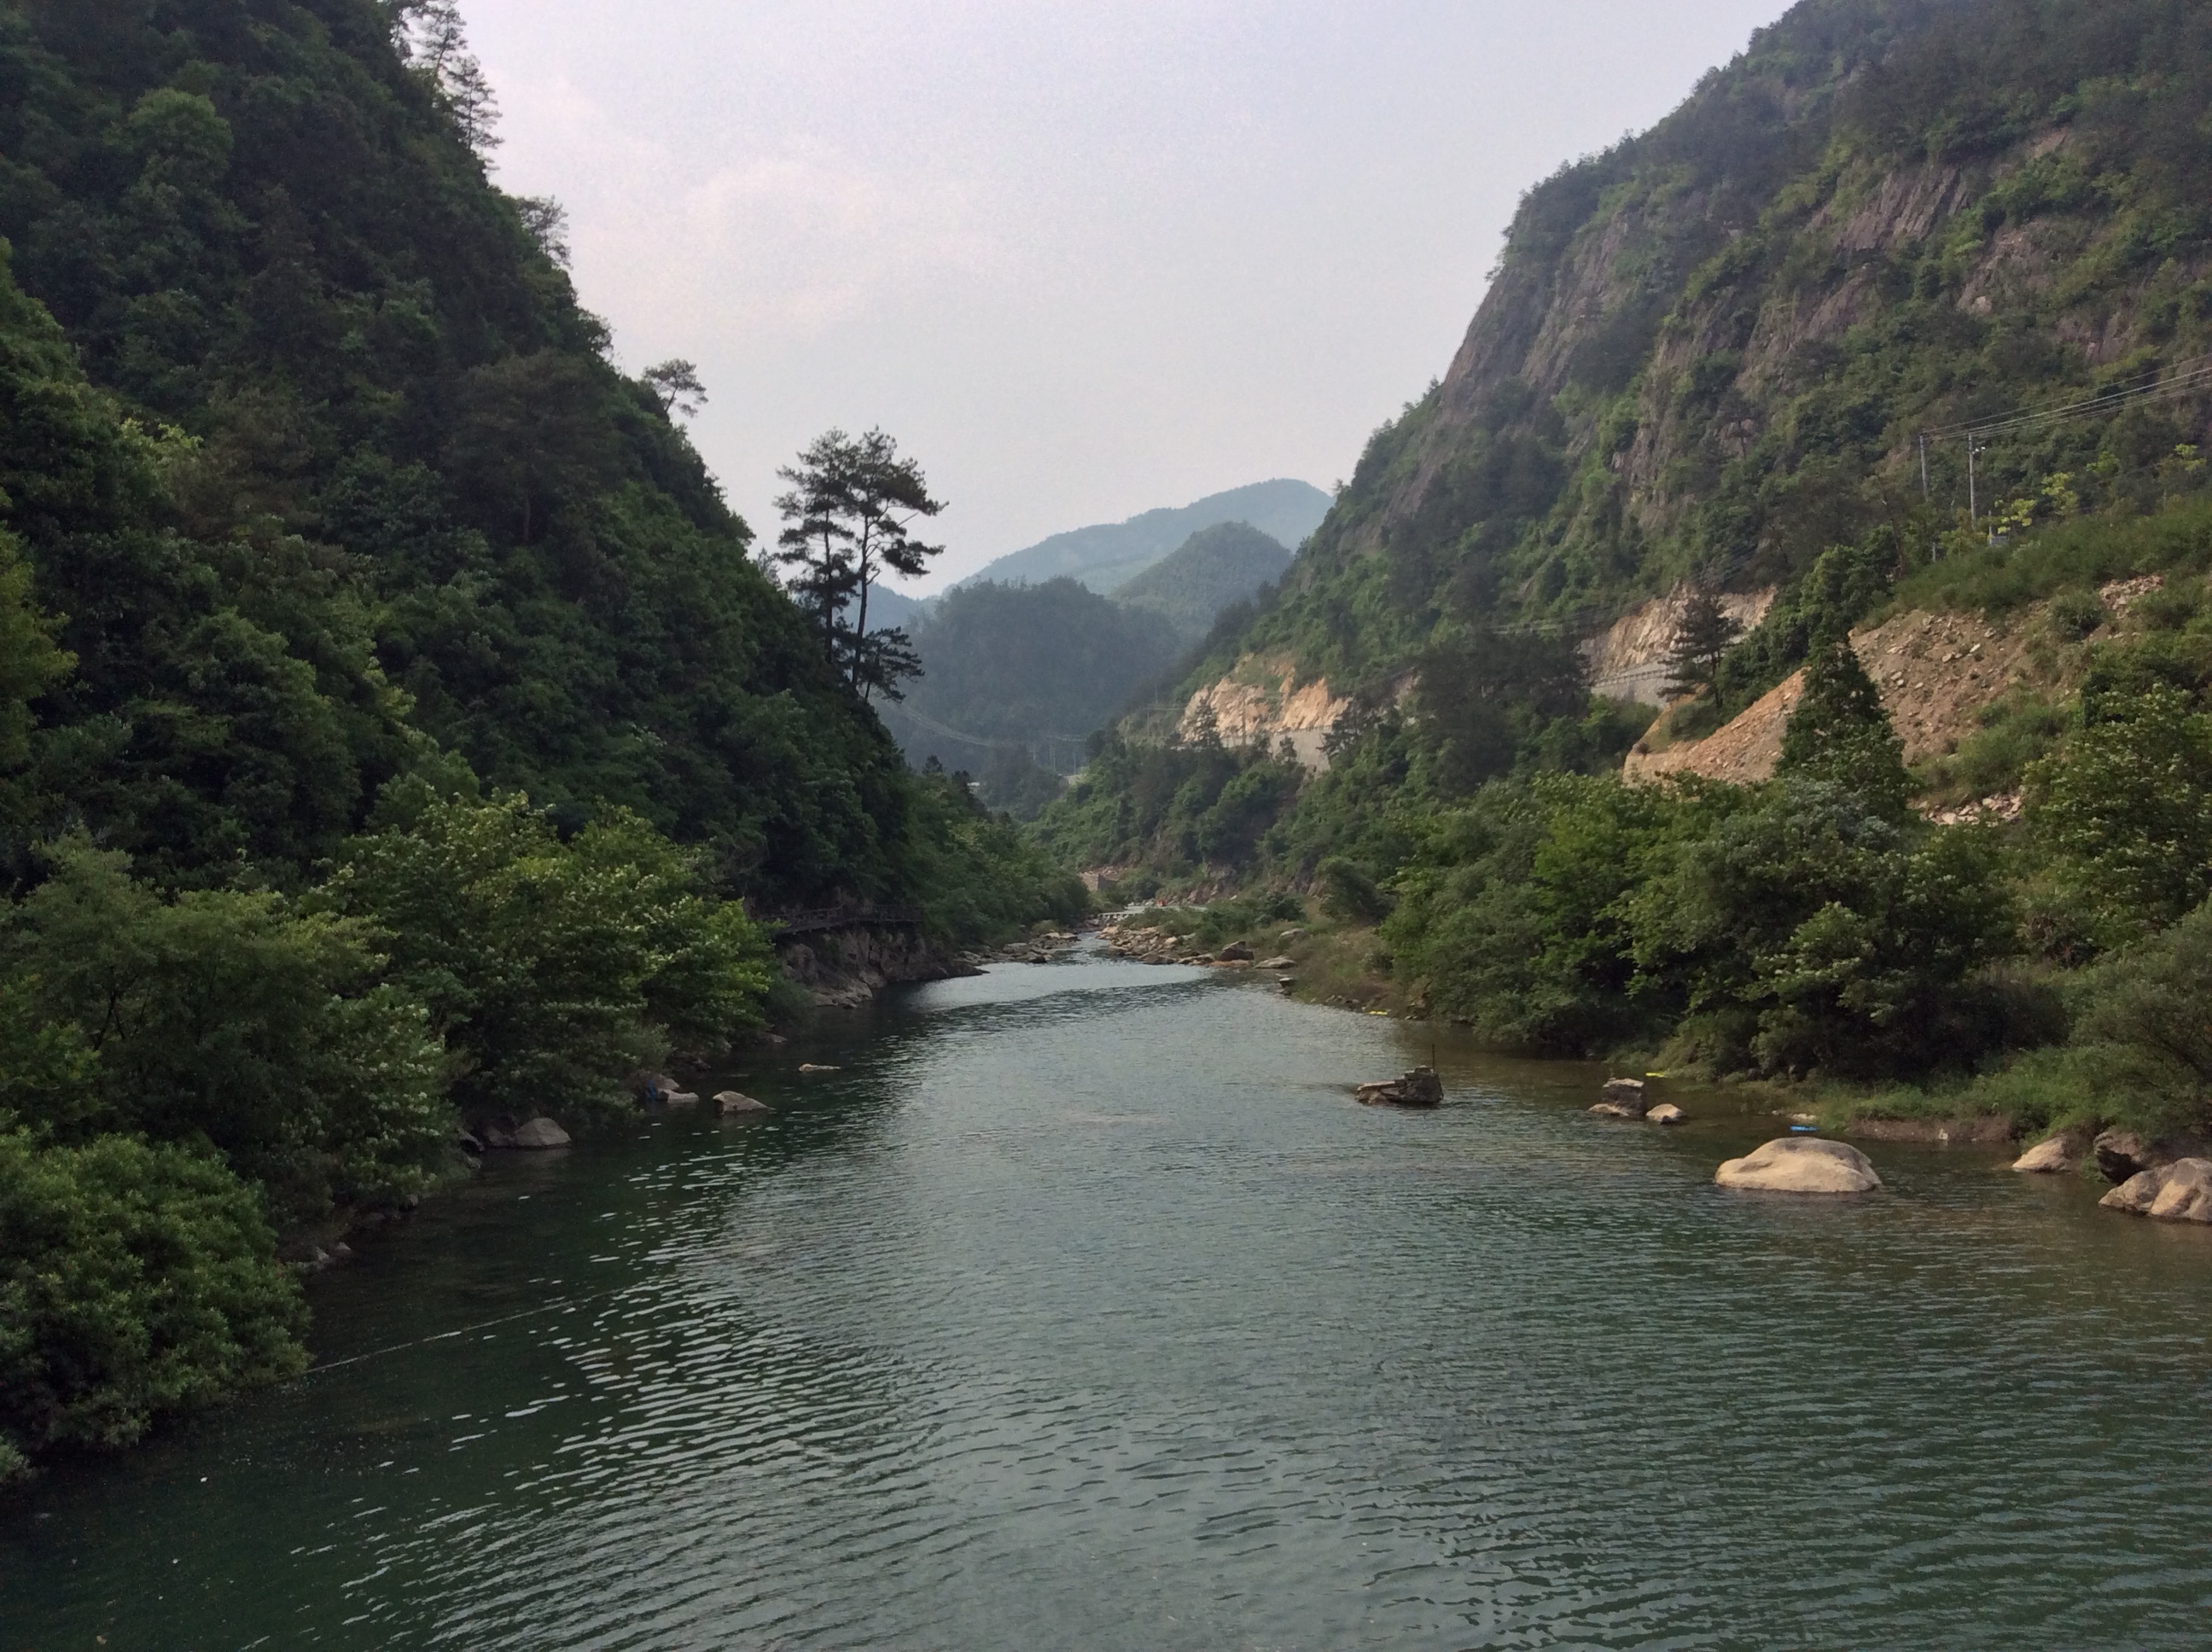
(405, 465)
(1215, 567)
(1035, 667)
(392, 725)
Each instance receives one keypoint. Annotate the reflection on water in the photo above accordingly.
(1081, 1307)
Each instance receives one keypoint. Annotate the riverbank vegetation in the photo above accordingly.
(397, 731)
(1858, 335)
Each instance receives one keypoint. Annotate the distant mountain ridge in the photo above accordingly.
(1106, 556)
(1216, 566)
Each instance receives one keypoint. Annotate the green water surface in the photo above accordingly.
(1082, 1308)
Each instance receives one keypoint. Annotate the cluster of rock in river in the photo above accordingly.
(2167, 1180)
(1152, 944)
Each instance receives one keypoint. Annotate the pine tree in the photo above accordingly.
(1841, 731)
(850, 513)
(1707, 632)
(432, 38)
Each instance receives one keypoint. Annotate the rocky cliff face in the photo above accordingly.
(1712, 351)
(845, 969)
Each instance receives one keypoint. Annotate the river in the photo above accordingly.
(1082, 1308)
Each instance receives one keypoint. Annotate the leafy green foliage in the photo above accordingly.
(136, 1280)
(223, 1019)
(2122, 812)
(556, 971)
(317, 488)
(983, 877)
(1702, 640)
(1798, 930)
(849, 517)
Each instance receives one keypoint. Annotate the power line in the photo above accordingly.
(2183, 377)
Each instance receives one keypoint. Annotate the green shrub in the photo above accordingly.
(1349, 893)
(136, 1281)
(231, 1019)
(555, 971)
(2122, 814)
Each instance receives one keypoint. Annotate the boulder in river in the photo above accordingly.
(1235, 952)
(1665, 1114)
(1626, 1098)
(1419, 1088)
(534, 1136)
(2122, 1155)
(681, 1098)
(808, 1067)
(733, 1104)
(1802, 1164)
(2180, 1192)
(2055, 1156)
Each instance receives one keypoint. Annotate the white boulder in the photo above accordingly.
(1802, 1164)
(2054, 1157)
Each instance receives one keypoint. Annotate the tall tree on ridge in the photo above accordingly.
(850, 513)
(434, 42)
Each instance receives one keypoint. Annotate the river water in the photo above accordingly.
(1082, 1308)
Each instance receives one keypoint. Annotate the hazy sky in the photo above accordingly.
(1081, 258)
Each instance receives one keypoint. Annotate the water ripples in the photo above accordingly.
(1098, 1318)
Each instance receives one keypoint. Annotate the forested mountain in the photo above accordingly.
(1708, 358)
(392, 719)
(1106, 556)
(1035, 669)
(1215, 567)
(395, 426)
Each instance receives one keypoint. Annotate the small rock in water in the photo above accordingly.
(808, 1067)
(1795, 1166)
(2054, 1157)
(1419, 1088)
(1667, 1114)
(1627, 1097)
(733, 1104)
(681, 1098)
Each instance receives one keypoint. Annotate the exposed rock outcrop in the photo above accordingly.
(1802, 1164)
(845, 969)
(1262, 703)
(1630, 660)
(1937, 673)
(734, 1104)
